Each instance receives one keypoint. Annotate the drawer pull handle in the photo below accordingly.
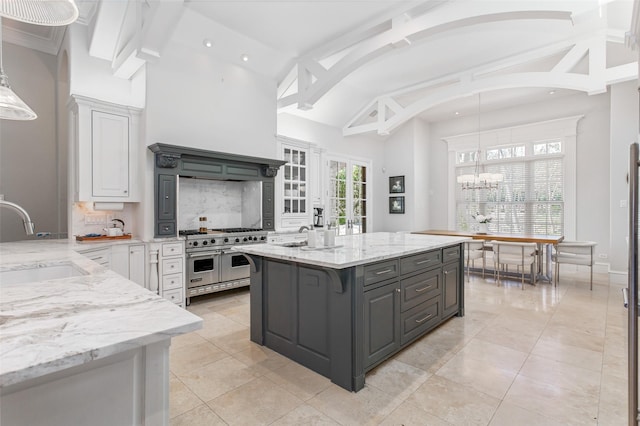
(424, 319)
(419, 290)
(424, 261)
(386, 271)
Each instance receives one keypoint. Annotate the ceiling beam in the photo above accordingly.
(401, 32)
(477, 81)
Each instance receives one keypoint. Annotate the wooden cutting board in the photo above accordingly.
(103, 237)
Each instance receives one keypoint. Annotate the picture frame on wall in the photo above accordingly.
(396, 184)
(396, 205)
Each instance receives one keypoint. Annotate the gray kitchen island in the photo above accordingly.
(341, 311)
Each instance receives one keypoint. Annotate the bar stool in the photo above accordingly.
(520, 254)
(473, 250)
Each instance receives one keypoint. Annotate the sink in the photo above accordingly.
(292, 244)
(41, 273)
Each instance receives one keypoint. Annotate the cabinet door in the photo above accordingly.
(110, 154)
(120, 260)
(451, 278)
(166, 205)
(381, 322)
(136, 264)
(267, 206)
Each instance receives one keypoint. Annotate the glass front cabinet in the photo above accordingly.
(299, 184)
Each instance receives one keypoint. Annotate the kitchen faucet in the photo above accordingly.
(305, 228)
(26, 220)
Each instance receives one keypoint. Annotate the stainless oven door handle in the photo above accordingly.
(209, 253)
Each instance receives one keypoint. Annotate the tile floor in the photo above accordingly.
(543, 356)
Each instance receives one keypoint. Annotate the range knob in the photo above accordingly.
(213, 241)
(205, 242)
(262, 238)
(255, 238)
(226, 240)
(244, 239)
(195, 244)
(237, 240)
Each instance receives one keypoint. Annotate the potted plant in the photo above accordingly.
(482, 222)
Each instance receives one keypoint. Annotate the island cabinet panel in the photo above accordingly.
(380, 271)
(451, 290)
(417, 289)
(342, 322)
(381, 322)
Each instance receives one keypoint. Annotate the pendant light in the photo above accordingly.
(11, 106)
(480, 180)
(40, 12)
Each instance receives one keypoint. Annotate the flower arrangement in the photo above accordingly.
(482, 218)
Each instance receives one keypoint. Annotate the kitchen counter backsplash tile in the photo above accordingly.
(80, 227)
(225, 204)
(52, 325)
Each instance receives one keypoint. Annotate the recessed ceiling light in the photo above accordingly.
(457, 112)
(207, 42)
(244, 57)
(552, 92)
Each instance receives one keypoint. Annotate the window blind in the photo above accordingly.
(530, 200)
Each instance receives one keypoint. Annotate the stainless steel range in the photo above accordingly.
(211, 266)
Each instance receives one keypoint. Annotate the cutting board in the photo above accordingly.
(103, 237)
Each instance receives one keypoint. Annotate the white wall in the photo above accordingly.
(624, 131)
(28, 149)
(592, 192)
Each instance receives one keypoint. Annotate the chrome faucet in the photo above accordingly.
(26, 220)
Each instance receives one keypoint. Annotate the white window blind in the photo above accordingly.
(530, 200)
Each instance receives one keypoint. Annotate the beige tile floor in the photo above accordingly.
(543, 356)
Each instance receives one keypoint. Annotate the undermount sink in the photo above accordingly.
(41, 273)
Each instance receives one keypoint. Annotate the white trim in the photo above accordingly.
(565, 128)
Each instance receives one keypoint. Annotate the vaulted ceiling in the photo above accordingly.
(369, 65)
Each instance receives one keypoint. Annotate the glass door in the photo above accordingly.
(347, 196)
(295, 181)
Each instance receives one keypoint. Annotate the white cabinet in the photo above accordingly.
(99, 255)
(298, 184)
(127, 260)
(105, 151)
(171, 276)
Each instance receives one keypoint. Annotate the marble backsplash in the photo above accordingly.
(225, 204)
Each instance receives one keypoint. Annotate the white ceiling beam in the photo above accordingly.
(104, 28)
(403, 29)
(476, 81)
(150, 33)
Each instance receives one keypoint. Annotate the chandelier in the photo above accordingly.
(480, 180)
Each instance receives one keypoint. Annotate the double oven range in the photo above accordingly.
(211, 265)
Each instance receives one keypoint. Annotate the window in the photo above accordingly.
(531, 197)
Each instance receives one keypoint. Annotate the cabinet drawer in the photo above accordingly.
(172, 281)
(380, 272)
(174, 296)
(420, 261)
(420, 288)
(419, 319)
(450, 253)
(291, 222)
(172, 266)
(171, 249)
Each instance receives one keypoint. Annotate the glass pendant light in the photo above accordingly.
(40, 12)
(11, 106)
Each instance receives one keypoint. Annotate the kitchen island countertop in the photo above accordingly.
(49, 326)
(352, 250)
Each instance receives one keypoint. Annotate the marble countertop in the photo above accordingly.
(352, 250)
(49, 326)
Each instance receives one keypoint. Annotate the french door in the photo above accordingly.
(347, 195)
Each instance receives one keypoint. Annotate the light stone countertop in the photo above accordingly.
(352, 250)
(49, 326)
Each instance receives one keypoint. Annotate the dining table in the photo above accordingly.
(544, 243)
